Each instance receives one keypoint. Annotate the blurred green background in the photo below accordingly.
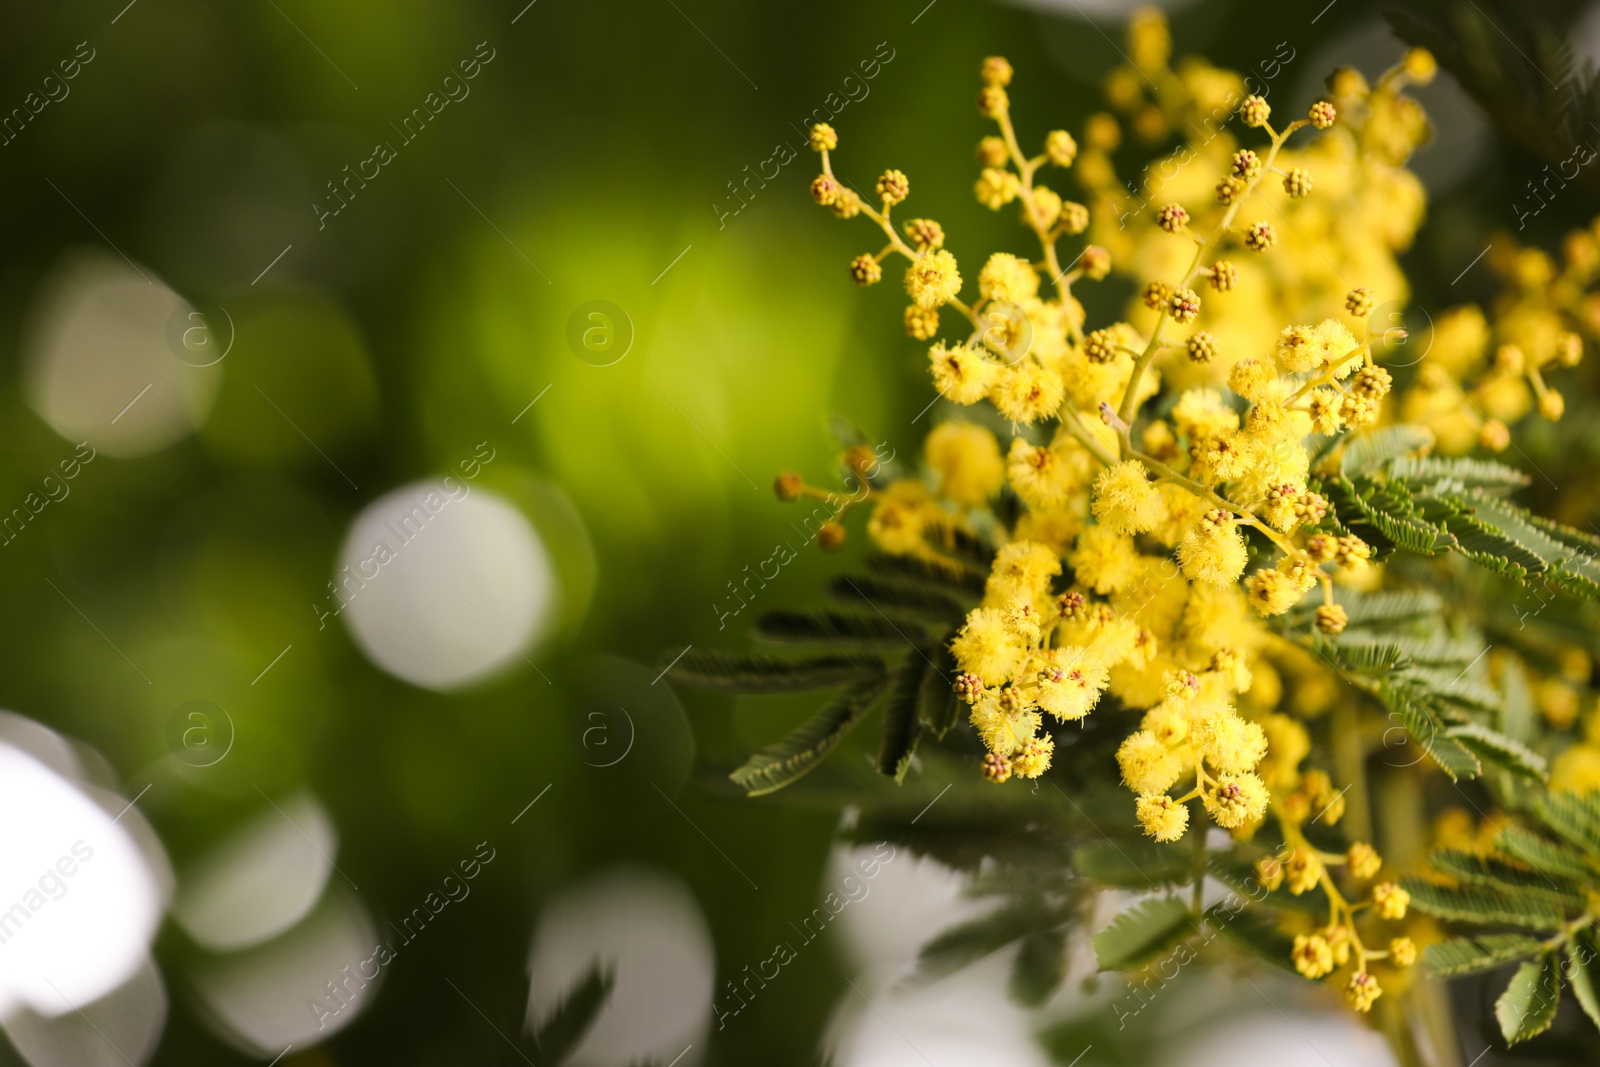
(591, 161)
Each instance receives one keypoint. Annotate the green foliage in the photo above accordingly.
(709, 669)
(883, 596)
(802, 749)
(1389, 607)
(1424, 715)
(557, 1036)
(1143, 932)
(1429, 506)
(1494, 747)
(1133, 864)
(1369, 450)
(971, 941)
(1427, 685)
(1508, 878)
(948, 576)
(937, 700)
(1239, 875)
(1534, 883)
(902, 726)
(1541, 853)
(1040, 967)
(1366, 655)
(1434, 472)
(1036, 909)
(1574, 817)
(1489, 906)
(829, 628)
(921, 697)
(1386, 517)
(1254, 933)
(1528, 1006)
(1583, 971)
(1472, 955)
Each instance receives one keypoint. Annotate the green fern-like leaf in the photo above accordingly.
(1582, 542)
(1253, 932)
(1430, 471)
(1488, 546)
(971, 941)
(1540, 853)
(1571, 582)
(1492, 746)
(1390, 511)
(1495, 874)
(1477, 905)
(709, 669)
(885, 596)
(1583, 971)
(1357, 653)
(1142, 932)
(940, 707)
(1040, 966)
(804, 748)
(1528, 1006)
(1440, 650)
(1389, 607)
(949, 576)
(1240, 876)
(902, 727)
(832, 628)
(1473, 955)
(1574, 816)
(1367, 451)
(1419, 714)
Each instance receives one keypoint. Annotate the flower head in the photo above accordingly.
(1162, 817)
(1126, 500)
(1361, 991)
(1390, 900)
(985, 647)
(893, 187)
(1006, 277)
(1060, 148)
(933, 279)
(1212, 551)
(1148, 765)
(1312, 955)
(961, 374)
(1254, 111)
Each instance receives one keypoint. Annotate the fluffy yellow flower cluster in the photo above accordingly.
(1191, 728)
(1156, 524)
(1205, 475)
(1152, 486)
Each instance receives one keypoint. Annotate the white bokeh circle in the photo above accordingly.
(301, 987)
(97, 362)
(79, 900)
(646, 928)
(263, 879)
(442, 583)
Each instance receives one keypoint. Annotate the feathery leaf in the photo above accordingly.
(805, 747)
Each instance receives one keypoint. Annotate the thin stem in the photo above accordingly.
(1083, 437)
(1249, 517)
(1026, 168)
(1125, 410)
